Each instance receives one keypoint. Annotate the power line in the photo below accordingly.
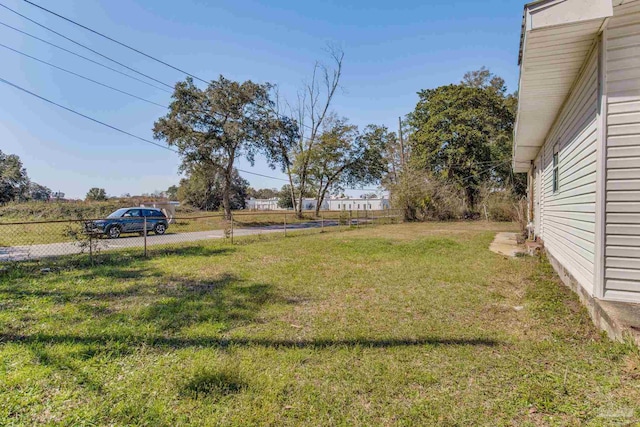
(2, 80)
(114, 127)
(85, 116)
(116, 41)
(119, 43)
(81, 76)
(85, 58)
(85, 47)
(15, 86)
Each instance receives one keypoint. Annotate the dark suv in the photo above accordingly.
(129, 220)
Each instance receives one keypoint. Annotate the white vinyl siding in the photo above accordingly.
(622, 219)
(567, 216)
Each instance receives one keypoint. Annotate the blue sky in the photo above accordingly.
(392, 50)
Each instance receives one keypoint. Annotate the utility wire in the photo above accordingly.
(85, 116)
(81, 76)
(150, 57)
(116, 41)
(116, 128)
(86, 47)
(85, 58)
(148, 141)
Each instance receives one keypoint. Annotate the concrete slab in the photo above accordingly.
(506, 243)
(624, 319)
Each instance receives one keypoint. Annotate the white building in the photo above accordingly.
(309, 204)
(578, 137)
(263, 204)
(357, 203)
(332, 204)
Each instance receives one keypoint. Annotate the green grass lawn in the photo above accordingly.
(411, 324)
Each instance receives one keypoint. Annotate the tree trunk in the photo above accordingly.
(322, 194)
(226, 192)
(319, 198)
(298, 203)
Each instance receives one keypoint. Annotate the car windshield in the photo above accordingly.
(118, 213)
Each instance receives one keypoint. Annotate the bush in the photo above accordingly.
(501, 205)
(423, 197)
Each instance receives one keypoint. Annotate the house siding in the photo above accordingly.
(566, 222)
(622, 215)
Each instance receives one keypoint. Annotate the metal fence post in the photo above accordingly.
(322, 223)
(145, 236)
(91, 247)
(350, 220)
(285, 225)
(232, 228)
(357, 218)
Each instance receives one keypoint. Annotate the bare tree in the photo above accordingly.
(314, 103)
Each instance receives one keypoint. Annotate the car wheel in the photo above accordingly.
(159, 229)
(114, 232)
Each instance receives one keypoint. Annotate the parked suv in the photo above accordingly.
(129, 220)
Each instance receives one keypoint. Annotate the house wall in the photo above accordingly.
(622, 195)
(566, 218)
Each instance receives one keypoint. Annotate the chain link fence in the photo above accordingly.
(150, 235)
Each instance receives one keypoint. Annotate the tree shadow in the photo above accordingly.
(121, 264)
(225, 300)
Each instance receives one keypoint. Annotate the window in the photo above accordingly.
(358, 205)
(556, 173)
(338, 205)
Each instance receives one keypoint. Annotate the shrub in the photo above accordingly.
(423, 197)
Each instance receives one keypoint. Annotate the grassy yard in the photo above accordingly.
(411, 324)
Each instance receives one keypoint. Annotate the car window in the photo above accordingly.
(133, 213)
(117, 214)
(152, 213)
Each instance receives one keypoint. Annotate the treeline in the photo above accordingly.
(452, 161)
(15, 185)
(319, 151)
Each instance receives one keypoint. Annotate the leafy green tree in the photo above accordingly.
(39, 192)
(213, 127)
(281, 147)
(457, 131)
(344, 157)
(262, 193)
(285, 201)
(172, 192)
(203, 189)
(96, 194)
(14, 182)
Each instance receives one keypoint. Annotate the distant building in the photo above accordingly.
(358, 203)
(332, 204)
(263, 204)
